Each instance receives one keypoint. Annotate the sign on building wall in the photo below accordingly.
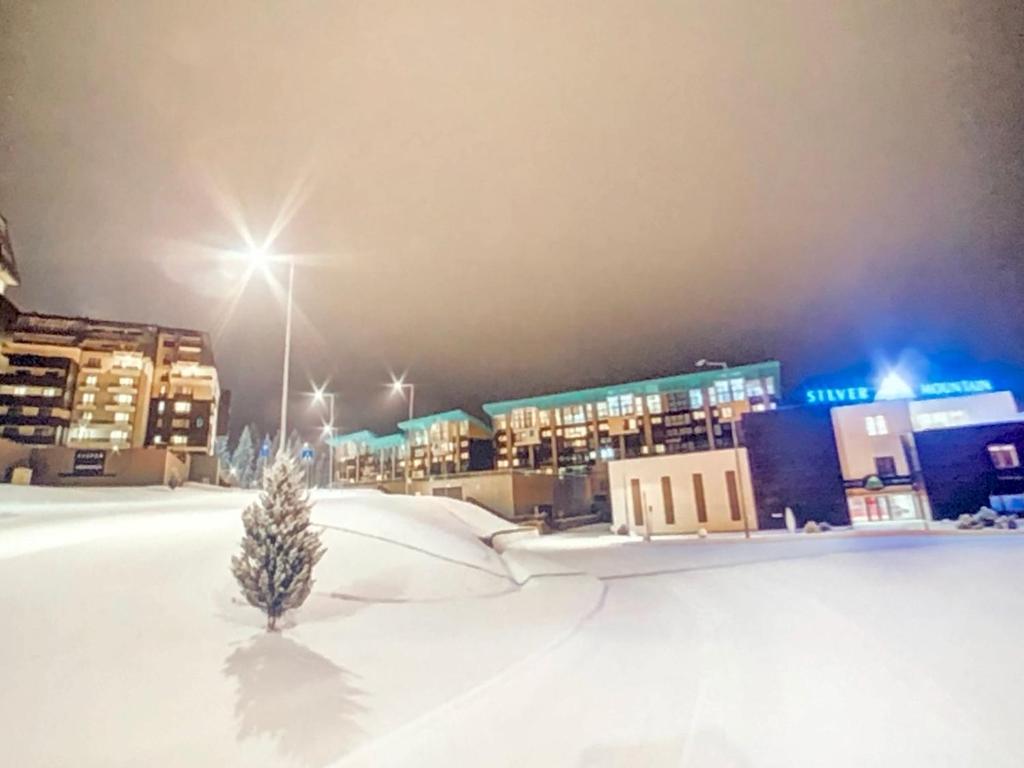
(89, 463)
(864, 394)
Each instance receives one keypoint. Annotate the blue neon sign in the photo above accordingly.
(861, 394)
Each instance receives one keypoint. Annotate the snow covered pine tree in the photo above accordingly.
(279, 550)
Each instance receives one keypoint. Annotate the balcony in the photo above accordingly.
(18, 379)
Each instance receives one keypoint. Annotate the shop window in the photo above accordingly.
(885, 466)
(721, 392)
(654, 403)
(876, 425)
(696, 398)
(602, 409)
(523, 418)
(1004, 456)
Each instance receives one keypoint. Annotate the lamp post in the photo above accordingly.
(398, 387)
(320, 397)
(705, 363)
(259, 258)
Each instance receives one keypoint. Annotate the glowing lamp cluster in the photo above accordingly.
(894, 387)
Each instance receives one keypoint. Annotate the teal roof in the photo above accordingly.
(363, 436)
(676, 383)
(387, 441)
(425, 422)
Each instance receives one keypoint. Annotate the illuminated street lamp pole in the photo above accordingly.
(398, 387)
(259, 258)
(320, 397)
(287, 355)
(705, 363)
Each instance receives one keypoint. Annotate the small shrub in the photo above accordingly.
(812, 527)
(965, 522)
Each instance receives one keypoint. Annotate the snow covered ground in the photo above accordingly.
(124, 643)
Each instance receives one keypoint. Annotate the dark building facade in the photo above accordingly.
(794, 463)
(965, 468)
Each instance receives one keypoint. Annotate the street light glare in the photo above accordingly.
(397, 385)
(319, 393)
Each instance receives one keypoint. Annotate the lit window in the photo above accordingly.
(1004, 456)
(545, 418)
(876, 425)
(654, 403)
(182, 406)
(522, 418)
(725, 412)
(87, 416)
(736, 385)
(179, 439)
(91, 380)
(161, 406)
(754, 388)
(50, 392)
(620, 405)
(123, 399)
(696, 398)
(769, 385)
(88, 398)
(118, 435)
(121, 417)
(21, 391)
(602, 409)
(157, 439)
(721, 391)
(126, 381)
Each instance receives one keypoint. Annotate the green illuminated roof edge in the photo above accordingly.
(661, 385)
(425, 422)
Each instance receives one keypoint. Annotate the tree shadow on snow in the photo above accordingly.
(300, 700)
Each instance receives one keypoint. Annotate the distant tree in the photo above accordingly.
(243, 460)
(279, 549)
(222, 451)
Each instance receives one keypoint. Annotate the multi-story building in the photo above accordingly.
(448, 443)
(365, 457)
(185, 393)
(102, 384)
(673, 414)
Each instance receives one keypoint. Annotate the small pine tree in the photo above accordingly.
(243, 461)
(279, 550)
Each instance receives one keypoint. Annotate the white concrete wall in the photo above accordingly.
(858, 449)
(649, 470)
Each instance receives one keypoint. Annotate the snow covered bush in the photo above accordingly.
(622, 530)
(965, 522)
(702, 533)
(824, 527)
(812, 527)
(279, 550)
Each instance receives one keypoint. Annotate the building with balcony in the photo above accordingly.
(99, 384)
(674, 414)
(185, 392)
(447, 443)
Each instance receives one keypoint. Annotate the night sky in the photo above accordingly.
(512, 198)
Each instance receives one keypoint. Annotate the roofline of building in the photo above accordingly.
(660, 385)
(425, 422)
(362, 436)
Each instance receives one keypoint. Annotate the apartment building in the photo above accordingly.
(185, 392)
(447, 443)
(100, 384)
(674, 414)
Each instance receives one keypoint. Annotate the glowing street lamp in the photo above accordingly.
(705, 363)
(398, 387)
(260, 259)
(322, 397)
